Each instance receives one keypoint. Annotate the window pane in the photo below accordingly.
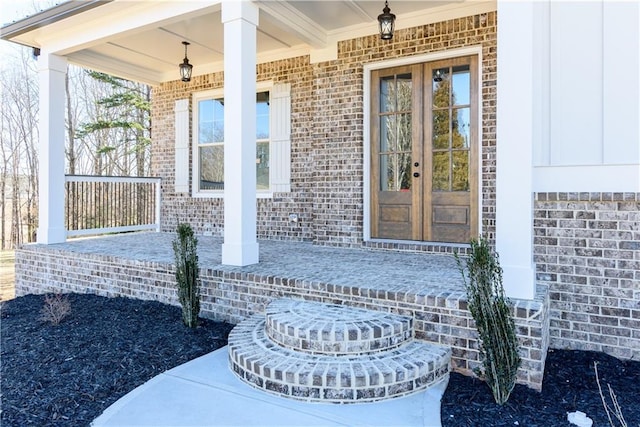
(404, 133)
(461, 128)
(460, 170)
(387, 94)
(262, 115)
(404, 174)
(395, 133)
(210, 121)
(441, 85)
(262, 165)
(212, 167)
(461, 85)
(441, 171)
(404, 89)
(395, 172)
(441, 128)
(387, 133)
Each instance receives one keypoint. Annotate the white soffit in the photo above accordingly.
(142, 39)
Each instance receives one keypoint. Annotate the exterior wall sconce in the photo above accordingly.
(185, 67)
(387, 21)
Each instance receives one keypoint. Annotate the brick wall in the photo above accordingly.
(273, 214)
(327, 142)
(338, 196)
(587, 250)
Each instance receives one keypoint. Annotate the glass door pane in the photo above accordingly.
(451, 128)
(396, 131)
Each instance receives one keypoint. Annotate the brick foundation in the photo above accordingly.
(440, 315)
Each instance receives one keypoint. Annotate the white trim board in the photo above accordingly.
(593, 178)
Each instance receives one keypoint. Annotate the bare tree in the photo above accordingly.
(19, 140)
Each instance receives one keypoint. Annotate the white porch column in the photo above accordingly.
(240, 246)
(514, 155)
(52, 70)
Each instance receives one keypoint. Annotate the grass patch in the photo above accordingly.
(7, 275)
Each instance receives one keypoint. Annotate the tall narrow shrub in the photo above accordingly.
(188, 282)
(491, 311)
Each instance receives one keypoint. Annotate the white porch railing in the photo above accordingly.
(111, 204)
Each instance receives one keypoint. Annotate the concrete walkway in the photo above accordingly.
(204, 392)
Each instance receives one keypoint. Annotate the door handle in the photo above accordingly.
(416, 164)
(416, 174)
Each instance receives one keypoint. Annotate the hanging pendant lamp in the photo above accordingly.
(185, 67)
(387, 21)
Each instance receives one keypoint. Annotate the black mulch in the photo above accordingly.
(569, 385)
(67, 375)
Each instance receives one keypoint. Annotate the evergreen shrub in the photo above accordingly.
(187, 276)
(491, 311)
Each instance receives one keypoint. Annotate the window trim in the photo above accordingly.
(196, 192)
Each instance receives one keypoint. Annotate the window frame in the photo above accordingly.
(196, 192)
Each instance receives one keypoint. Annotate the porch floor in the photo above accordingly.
(391, 271)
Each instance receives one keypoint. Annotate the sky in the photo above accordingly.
(14, 10)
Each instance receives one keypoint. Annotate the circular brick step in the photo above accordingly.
(318, 328)
(266, 365)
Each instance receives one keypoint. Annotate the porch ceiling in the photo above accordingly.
(141, 40)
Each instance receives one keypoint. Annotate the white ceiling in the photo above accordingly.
(150, 47)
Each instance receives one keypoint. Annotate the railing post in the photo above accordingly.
(158, 192)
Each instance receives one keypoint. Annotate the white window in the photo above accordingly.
(273, 145)
(208, 143)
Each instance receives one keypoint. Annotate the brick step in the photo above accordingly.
(333, 329)
(264, 364)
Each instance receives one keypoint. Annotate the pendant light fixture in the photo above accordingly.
(185, 67)
(387, 21)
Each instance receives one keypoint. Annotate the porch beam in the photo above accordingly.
(514, 152)
(52, 70)
(300, 24)
(240, 247)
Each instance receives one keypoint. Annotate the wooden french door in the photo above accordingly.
(424, 156)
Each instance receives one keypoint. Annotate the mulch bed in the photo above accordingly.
(569, 385)
(67, 375)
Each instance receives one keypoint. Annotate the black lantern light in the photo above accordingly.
(185, 67)
(387, 21)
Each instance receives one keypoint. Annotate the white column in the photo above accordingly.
(514, 149)
(240, 246)
(52, 70)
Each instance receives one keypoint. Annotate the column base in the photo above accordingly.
(519, 281)
(240, 254)
(49, 236)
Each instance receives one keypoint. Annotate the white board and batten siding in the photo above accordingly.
(593, 86)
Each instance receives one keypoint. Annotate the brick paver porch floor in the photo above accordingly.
(373, 269)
